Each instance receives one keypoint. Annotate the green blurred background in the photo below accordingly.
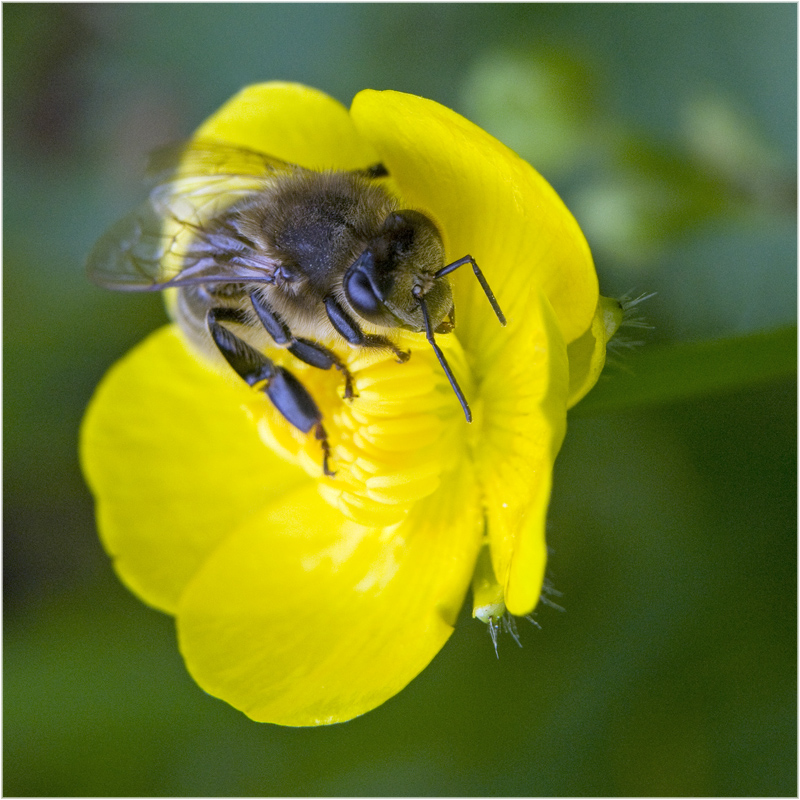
(670, 131)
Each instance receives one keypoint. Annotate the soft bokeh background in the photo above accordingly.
(670, 130)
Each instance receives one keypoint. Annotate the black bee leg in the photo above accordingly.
(322, 438)
(317, 355)
(308, 351)
(285, 392)
(350, 330)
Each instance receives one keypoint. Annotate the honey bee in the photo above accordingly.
(266, 254)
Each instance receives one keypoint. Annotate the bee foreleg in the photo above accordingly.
(307, 351)
(285, 392)
(347, 327)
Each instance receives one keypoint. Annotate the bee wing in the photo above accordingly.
(206, 158)
(166, 241)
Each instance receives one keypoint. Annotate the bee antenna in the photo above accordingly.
(446, 270)
(417, 292)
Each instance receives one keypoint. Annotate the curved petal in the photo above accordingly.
(489, 203)
(587, 355)
(292, 122)
(306, 618)
(523, 424)
(172, 454)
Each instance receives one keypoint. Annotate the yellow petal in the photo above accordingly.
(587, 355)
(523, 419)
(292, 122)
(172, 454)
(490, 204)
(306, 618)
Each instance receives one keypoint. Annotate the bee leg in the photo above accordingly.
(285, 392)
(350, 330)
(317, 355)
(322, 438)
(309, 352)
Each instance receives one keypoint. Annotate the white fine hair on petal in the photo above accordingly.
(504, 624)
(631, 318)
(549, 591)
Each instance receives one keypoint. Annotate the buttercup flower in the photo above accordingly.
(303, 598)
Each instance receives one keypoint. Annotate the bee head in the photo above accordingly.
(398, 266)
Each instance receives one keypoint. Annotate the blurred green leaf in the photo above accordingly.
(658, 375)
(537, 101)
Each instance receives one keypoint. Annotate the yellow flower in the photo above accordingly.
(306, 599)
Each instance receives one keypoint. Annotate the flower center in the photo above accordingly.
(392, 442)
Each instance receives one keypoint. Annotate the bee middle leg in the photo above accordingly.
(285, 392)
(308, 351)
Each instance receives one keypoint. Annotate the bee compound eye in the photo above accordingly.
(359, 287)
(360, 293)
